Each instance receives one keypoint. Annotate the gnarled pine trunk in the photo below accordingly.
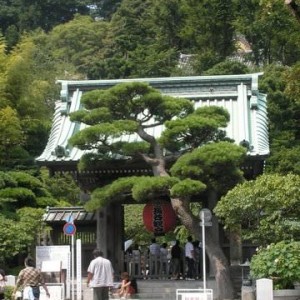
(213, 249)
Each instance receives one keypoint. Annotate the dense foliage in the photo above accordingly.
(77, 39)
(203, 159)
(279, 262)
(22, 199)
(265, 212)
(215, 35)
(267, 208)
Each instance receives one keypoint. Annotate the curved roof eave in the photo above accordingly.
(239, 94)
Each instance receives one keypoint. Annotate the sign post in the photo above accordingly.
(78, 270)
(205, 216)
(70, 230)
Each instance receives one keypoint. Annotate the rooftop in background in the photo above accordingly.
(239, 94)
(68, 214)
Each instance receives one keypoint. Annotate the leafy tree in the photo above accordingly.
(11, 135)
(271, 31)
(12, 37)
(136, 46)
(104, 8)
(18, 235)
(78, 43)
(134, 226)
(28, 15)
(278, 261)
(26, 85)
(267, 208)
(283, 111)
(20, 189)
(227, 67)
(168, 19)
(26, 90)
(64, 189)
(3, 60)
(138, 108)
(163, 31)
(22, 201)
(292, 82)
(294, 7)
(207, 34)
(207, 30)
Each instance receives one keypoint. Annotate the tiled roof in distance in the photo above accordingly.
(68, 214)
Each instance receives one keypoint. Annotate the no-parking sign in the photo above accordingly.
(69, 229)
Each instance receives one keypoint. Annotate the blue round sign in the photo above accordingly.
(69, 229)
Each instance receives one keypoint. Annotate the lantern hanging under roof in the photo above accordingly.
(159, 217)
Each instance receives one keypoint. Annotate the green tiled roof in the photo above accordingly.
(239, 94)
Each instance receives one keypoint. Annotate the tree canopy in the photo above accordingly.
(283, 111)
(121, 123)
(267, 209)
(22, 201)
(45, 41)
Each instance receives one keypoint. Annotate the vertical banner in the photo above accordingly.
(78, 270)
(69, 229)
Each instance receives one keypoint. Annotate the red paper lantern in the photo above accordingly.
(159, 217)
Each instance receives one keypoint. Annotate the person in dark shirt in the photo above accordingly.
(176, 255)
(190, 258)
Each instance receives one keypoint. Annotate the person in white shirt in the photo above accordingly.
(154, 247)
(100, 276)
(190, 258)
(154, 251)
(164, 259)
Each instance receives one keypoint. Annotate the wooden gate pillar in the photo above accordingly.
(110, 232)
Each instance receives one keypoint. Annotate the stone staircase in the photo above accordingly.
(155, 289)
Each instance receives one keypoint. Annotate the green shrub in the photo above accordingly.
(280, 262)
(8, 292)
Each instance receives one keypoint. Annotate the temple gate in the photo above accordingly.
(239, 94)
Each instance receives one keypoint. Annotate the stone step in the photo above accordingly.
(159, 289)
